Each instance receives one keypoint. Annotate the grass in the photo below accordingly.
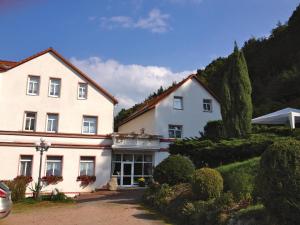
(31, 204)
(244, 166)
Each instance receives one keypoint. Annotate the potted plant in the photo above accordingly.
(86, 180)
(142, 182)
(51, 179)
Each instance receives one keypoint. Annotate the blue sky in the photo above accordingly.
(147, 42)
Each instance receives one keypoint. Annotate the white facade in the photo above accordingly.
(192, 117)
(83, 119)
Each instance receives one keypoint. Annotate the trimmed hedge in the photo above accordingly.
(207, 184)
(239, 178)
(214, 130)
(174, 170)
(206, 153)
(278, 181)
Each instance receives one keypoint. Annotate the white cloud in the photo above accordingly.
(156, 22)
(130, 84)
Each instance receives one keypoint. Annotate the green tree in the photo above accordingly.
(236, 96)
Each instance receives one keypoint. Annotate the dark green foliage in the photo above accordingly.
(213, 154)
(236, 106)
(17, 188)
(278, 181)
(214, 130)
(207, 184)
(239, 178)
(174, 170)
(274, 68)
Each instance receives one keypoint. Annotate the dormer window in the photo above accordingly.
(33, 85)
(82, 90)
(178, 103)
(54, 87)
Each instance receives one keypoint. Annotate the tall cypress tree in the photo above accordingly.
(236, 98)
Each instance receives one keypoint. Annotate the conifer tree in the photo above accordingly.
(236, 97)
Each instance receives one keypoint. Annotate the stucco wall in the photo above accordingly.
(14, 101)
(192, 117)
(145, 121)
(10, 156)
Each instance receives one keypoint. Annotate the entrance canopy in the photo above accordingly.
(285, 116)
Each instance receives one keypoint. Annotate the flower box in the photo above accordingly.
(86, 180)
(52, 179)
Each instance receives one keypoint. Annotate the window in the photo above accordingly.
(175, 131)
(54, 89)
(30, 121)
(33, 86)
(207, 105)
(87, 166)
(89, 125)
(52, 122)
(178, 103)
(25, 165)
(54, 166)
(82, 90)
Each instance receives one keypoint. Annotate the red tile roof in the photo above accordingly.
(150, 104)
(7, 65)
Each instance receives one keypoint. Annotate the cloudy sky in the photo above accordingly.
(132, 47)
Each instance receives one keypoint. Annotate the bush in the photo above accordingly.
(239, 178)
(18, 188)
(207, 183)
(174, 170)
(214, 130)
(278, 181)
(206, 153)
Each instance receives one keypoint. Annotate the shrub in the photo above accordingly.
(207, 183)
(278, 181)
(206, 153)
(174, 170)
(18, 188)
(214, 130)
(239, 178)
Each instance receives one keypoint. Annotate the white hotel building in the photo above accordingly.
(46, 96)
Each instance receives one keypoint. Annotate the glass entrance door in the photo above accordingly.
(127, 174)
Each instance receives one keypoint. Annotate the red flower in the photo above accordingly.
(52, 179)
(86, 180)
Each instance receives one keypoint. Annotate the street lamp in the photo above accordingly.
(41, 147)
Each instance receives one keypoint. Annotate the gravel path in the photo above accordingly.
(103, 210)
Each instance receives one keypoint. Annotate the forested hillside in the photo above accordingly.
(274, 68)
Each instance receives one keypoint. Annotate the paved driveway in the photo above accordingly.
(118, 209)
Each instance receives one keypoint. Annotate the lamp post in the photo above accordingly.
(41, 147)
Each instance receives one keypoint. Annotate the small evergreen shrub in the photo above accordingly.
(205, 153)
(18, 188)
(174, 170)
(214, 130)
(239, 178)
(207, 183)
(278, 181)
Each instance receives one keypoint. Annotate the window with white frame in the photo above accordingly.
(89, 125)
(207, 105)
(87, 166)
(33, 85)
(54, 166)
(54, 87)
(175, 131)
(178, 103)
(25, 165)
(52, 122)
(30, 121)
(82, 90)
